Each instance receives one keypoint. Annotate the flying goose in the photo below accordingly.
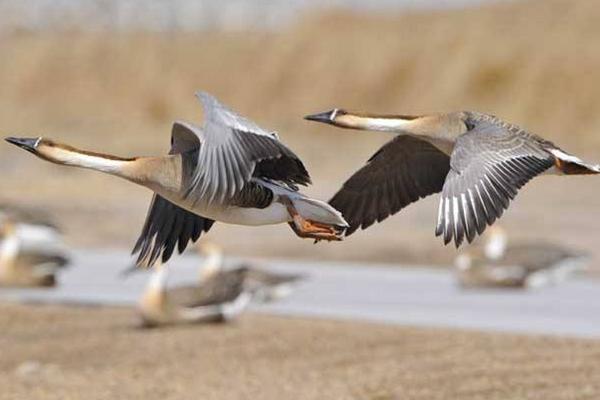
(526, 265)
(476, 160)
(30, 256)
(230, 170)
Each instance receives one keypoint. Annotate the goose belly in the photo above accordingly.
(275, 213)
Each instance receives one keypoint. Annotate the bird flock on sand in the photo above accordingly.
(232, 170)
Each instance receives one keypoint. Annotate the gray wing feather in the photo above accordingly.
(403, 171)
(232, 146)
(488, 166)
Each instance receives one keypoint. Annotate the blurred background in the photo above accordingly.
(112, 75)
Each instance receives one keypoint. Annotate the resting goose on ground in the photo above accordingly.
(31, 254)
(213, 300)
(524, 265)
(230, 170)
(476, 160)
(265, 285)
(220, 295)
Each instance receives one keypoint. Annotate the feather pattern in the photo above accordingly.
(233, 149)
(403, 171)
(488, 166)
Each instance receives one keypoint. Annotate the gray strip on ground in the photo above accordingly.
(406, 296)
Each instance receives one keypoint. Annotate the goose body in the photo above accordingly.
(31, 252)
(214, 300)
(220, 295)
(524, 265)
(477, 161)
(230, 170)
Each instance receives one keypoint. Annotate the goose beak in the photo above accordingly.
(28, 144)
(327, 117)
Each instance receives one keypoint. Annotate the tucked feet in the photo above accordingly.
(315, 230)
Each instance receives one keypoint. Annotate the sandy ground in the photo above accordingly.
(49, 352)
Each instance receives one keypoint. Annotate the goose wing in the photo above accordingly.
(403, 171)
(168, 225)
(234, 149)
(488, 165)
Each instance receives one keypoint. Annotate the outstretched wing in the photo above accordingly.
(234, 149)
(167, 225)
(488, 165)
(403, 171)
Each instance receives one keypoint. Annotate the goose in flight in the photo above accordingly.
(230, 170)
(523, 265)
(476, 160)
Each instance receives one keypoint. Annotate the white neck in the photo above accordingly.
(376, 123)
(495, 245)
(387, 124)
(96, 162)
(213, 263)
(9, 249)
(158, 280)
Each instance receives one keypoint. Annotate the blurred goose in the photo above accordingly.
(528, 265)
(476, 160)
(28, 256)
(264, 285)
(231, 170)
(219, 296)
(214, 300)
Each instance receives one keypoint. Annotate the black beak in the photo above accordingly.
(28, 144)
(327, 117)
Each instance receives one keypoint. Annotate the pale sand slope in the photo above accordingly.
(96, 353)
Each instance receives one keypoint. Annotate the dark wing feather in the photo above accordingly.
(403, 171)
(166, 227)
(488, 166)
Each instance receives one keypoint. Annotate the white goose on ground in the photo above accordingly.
(230, 170)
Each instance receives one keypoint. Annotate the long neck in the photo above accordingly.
(445, 126)
(154, 172)
(158, 281)
(495, 245)
(372, 122)
(9, 249)
(212, 264)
